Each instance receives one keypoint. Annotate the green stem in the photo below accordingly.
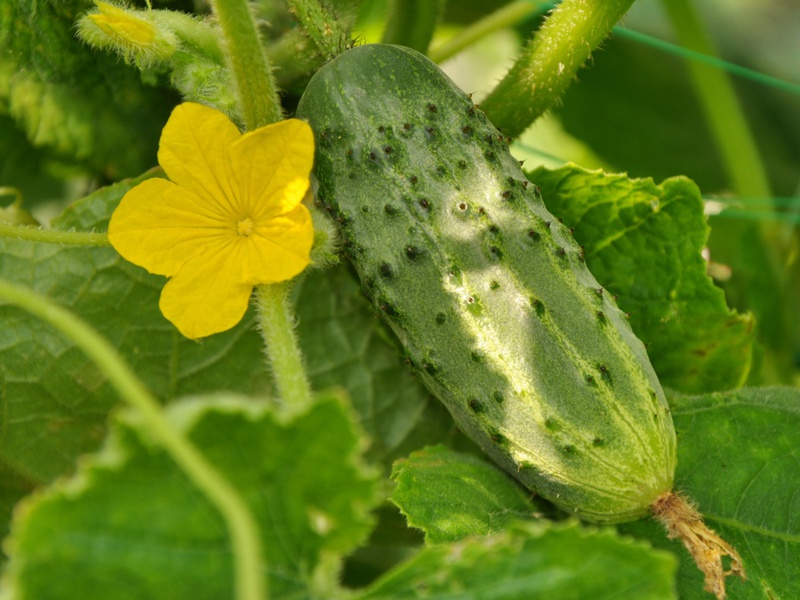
(746, 172)
(257, 92)
(549, 62)
(321, 25)
(760, 250)
(197, 36)
(249, 565)
(508, 15)
(412, 23)
(276, 321)
(50, 236)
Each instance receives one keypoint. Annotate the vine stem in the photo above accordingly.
(549, 62)
(50, 236)
(248, 564)
(506, 16)
(253, 75)
(320, 24)
(276, 322)
(259, 104)
(722, 108)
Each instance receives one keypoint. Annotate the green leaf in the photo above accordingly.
(643, 242)
(86, 106)
(345, 345)
(534, 560)
(738, 457)
(451, 495)
(130, 525)
(54, 400)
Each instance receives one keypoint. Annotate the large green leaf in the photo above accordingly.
(739, 458)
(130, 525)
(534, 560)
(643, 242)
(451, 495)
(54, 401)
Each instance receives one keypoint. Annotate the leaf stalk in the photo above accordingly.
(258, 99)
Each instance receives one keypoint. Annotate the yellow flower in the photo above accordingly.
(230, 218)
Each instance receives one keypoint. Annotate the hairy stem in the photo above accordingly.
(248, 558)
(51, 236)
(276, 321)
(549, 62)
(321, 25)
(259, 104)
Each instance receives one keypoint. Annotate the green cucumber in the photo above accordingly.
(487, 291)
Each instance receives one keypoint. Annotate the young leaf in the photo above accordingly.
(533, 560)
(55, 401)
(738, 457)
(129, 525)
(450, 495)
(643, 242)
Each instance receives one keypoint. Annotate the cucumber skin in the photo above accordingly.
(486, 290)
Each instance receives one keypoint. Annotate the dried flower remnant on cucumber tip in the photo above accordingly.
(682, 521)
(230, 217)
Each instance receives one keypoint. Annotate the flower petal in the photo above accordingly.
(194, 153)
(159, 226)
(272, 166)
(206, 295)
(279, 248)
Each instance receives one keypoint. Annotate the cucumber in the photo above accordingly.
(486, 290)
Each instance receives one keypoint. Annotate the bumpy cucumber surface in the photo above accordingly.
(487, 291)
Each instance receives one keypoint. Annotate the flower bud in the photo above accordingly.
(131, 33)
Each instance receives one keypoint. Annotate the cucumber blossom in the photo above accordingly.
(486, 290)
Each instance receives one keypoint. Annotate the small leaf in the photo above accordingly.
(534, 560)
(738, 457)
(130, 525)
(450, 495)
(643, 242)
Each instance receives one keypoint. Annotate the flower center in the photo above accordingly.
(244, 227)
